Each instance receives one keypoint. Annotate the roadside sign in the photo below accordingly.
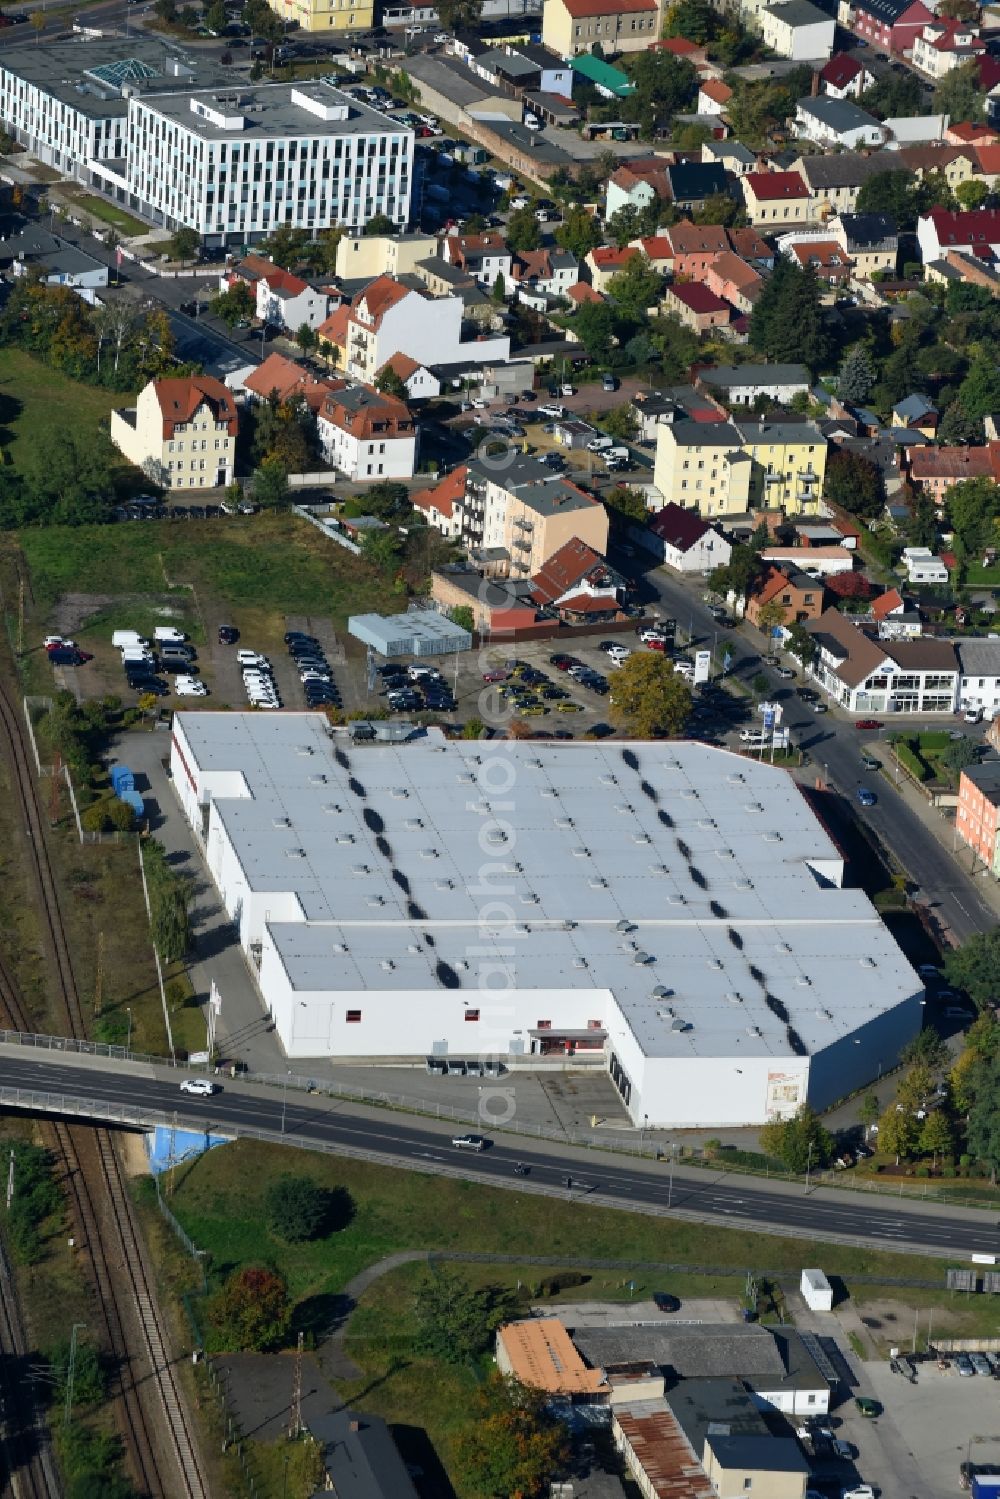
(727, 660)
(702, 666)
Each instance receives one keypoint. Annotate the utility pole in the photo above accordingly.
(54, 799)
(99, 977)
(808, 1165)
(295, 1415)
(20, 614)
(71, 1373)
(10, 1179)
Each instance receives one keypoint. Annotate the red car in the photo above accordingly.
(653, 644)
(868, 723)
(494, 676)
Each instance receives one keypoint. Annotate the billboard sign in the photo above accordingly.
(702, 666)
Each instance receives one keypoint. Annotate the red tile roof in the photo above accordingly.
(840, 71)
(655, 247)
(716, 90)
(378, 296)
(887, 603)
(953, 463)
(179, 399)
(697, 239)
(605, 257)
(580, 10)
(980, 226)
(972, 134)
(988, 159)
(367, 413)
(697, 297)
(283, 378)
(678, 45)
(582, 291)
(445, 496)
(574, 563)
(767, 186)
(256, 268)
(334, 328)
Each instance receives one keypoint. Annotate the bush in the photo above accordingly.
(911, 761)
(121, 816)
(923, 1171)
(95, 819)
(299, 1209)
(553, 1284)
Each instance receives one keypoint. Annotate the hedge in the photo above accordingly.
(911, 761)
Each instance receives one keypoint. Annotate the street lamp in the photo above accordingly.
(128, 1044)
(808, 1164)
(284, 1098)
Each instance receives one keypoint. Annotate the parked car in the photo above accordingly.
(868, 723)
(868, 1407)
(228, 635)
(870, 763)
(665, 1302)
(786, 672)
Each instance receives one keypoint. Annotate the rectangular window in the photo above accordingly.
(544, 1025)
(472, 1014)
(353, 1017)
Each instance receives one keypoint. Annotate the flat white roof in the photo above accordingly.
(694, 884)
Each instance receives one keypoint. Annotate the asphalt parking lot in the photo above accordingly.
(938, 1423)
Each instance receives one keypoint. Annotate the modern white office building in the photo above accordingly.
(181, 141)
(671, 912)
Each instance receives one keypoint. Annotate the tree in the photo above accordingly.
(620, 422)
(389, 383)
(269, 486)
(979, 392)
(959, 93)
(915, 1087)
(975, 967)
(215, 17)
(770, 616)
(498, 291)
(234, 306)
(286, 246)
(169, 900)
(253, 1310)
(635, 288)
(381, 550)
(578, 233)
(857, 374)
(801, 644)
(695, 20)
(38, 23)
(455, 1319)
(897, 92)
(664, 86)
(593, 324)
(787, 322)
(463, 616)
(891, 193)
(936, 1135)
(854, 483)
(869, 1110)
(297, 1208)
(379, 223)
(972, 194)
(898, 1132)
(627, 504)
(650, 699)
(523, 232)
(185, 242)
(515, 1446)
(800, 1142)
(459, 15)
(388, 500)
(983, 1133)
(973, 508)
(957, 426)
(958, 754)
(305, 337)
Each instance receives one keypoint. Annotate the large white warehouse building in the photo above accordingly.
(672, 909)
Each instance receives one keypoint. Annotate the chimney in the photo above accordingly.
(814, 86)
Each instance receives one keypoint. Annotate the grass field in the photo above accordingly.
(110, 213)
(266, 562)
(45, 398)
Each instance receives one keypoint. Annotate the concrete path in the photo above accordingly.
(333, 1360)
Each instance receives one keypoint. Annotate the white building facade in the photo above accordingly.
(389, 906)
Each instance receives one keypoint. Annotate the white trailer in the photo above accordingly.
(816, 1291)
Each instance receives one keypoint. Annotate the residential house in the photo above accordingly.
(935, 470)
(798, 594)
(360, 1458)
(656, 1454)
(283, 300)
(944, 45)
(579, 585)
(501, 607)
(610, 83)
(713, 96)
(696, 306)
(180, 432)
(987, 159)
(362, 257)
(550, 272)
(894, 618)
(657, 250)
(893, 25)
(581, 292)
(680, 539)
(734, 281)
(868, 675)
(870, 239)
(419, 382)
(733, 155)
(742, 385)
(530, 514)
(637, 184)
(977, 816)
(798, 30)
(679, 403)
(789, 463)
(916, 130)
(776, 199)
(979, 684)
(834, 181)
(917, 413)
(837, 123)
(728, 468)
(280, 379)
(33, 251)
(922, 566)
(694, 247)
(443, 505)
(956, 164)
(824, 256)
(387, 318)
(572, 27)
(604, 262)
(691, 183)
(331, 335)
(975, 231)
(749, 245)
(965, 133)
(845, 77)
(367, 435)
(483, 256)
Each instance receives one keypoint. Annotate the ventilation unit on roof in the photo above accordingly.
(536, 763)
(803, 981)
(376, 900)
(868, 962)
(689, 794)
(581, 853)
(661, 992)
(783, 947)
(549, 792)
(723, 853)
(596, 883)
(579, 963)
(305, 749)
(642, 959)
(658, 869)
(715, 964)
(413, 947)
(568, 926)
(753, 807)
(564, 822)
(496, 838)
(282, 822)
(529, 898)
(676, 899)
(413, 823)
(624, 807)
(521, 927)
(735, 778)
(743, 884)
(429, 853)
(295, 853)
(387, 965)
(345, 837)
(608, 780)
(772, 837)
(677, 1024)
(734, 998)
(753, 1030)
(332, 808)
(705, 823)
(339, 947)
(641, 838)
(399, 793)
(466, 779)
(624, 926)
(361, 869)
(444, 884)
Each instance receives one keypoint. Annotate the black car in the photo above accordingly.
(197, 512)
(67, 656)
(298, 637)
(665, 1303)
(150, 684)
(228, 635)
(177, 667)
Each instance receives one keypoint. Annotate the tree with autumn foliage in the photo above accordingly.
(649, 699)
(514, 1447)
(252, 1311)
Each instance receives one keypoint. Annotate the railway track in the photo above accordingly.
(156, 1430)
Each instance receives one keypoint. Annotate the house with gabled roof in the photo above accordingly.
(367, 434)
(484, 256)
(868, 675)
(387, 318)
(280, 379)
(283, 300)
(181, 432)
(976, 231)
(578, 583)
(776, 199)
(845, 77)
(893, 25)
(573, 27)
(682, 540)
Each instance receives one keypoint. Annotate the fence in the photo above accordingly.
(328, 528)
(184, 1238)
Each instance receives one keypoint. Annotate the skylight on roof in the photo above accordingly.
(126, 70)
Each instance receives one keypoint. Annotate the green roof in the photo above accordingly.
(603, 75)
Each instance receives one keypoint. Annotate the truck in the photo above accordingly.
(618, 455)
(122, 638)
(600, 444)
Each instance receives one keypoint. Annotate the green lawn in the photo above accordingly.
(262, 562)
(42, 400)
(110, 213)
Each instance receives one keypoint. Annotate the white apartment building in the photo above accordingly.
(235, 164)
(387, 318)
(979, 683)
(797, 30)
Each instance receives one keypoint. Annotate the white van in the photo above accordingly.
(169, 632)
(121, 638)
(600, 445)
(754, 736)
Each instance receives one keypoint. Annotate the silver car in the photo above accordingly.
(981, 1364)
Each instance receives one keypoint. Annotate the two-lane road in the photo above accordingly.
(426, 1146)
